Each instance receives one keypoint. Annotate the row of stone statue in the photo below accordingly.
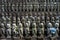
(27, 28)
(38, 17)
(29, 8)
(29, 25)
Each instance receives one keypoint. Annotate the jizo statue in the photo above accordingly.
(40, 29)
(8, 29)
(15, 29)
(57, 27)
(20, 28)
(52, 31)
(2, 25)
(34, 29)
(2, 29)
(57, 19)
(26, 28)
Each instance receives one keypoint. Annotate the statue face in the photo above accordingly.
(41, 25)
(38, 18)
(18, 18)
(14, 25)
(42, 13)
(20, 25)
(48, 18)
(26, 14)
(34, 24)
(56, 24)
(49, 25)
(50, 13)
(14, 18)
(8, 25)
(53, 18)
(2, 24)
(43, 17)
(39, 14)
(57, 18)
